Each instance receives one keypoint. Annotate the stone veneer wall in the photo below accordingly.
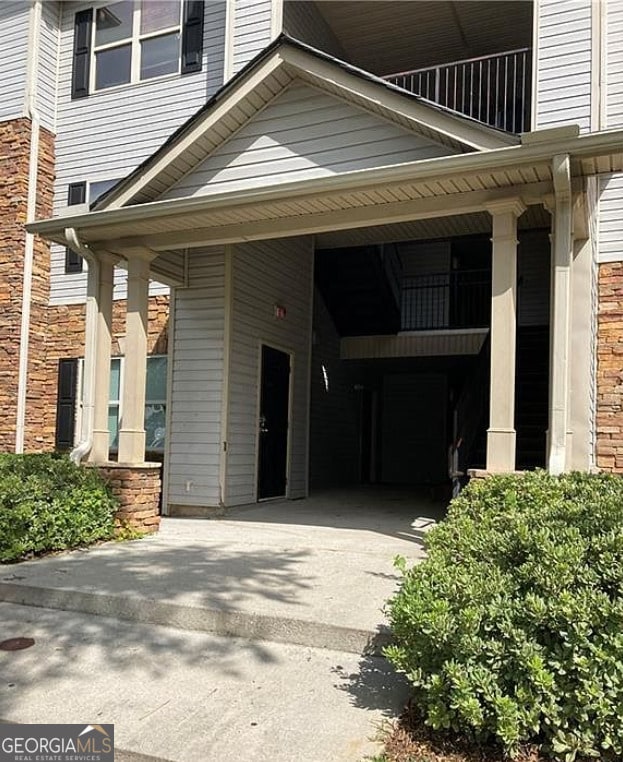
(56, 332)
(610, 368)
(65, 339)
(14, 158)
(138, 490)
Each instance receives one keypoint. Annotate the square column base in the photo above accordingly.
(132, 445)
(501, 450)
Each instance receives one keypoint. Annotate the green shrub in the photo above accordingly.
(48, 503)
(512, 629)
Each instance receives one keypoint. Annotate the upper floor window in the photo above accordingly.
(135, 40)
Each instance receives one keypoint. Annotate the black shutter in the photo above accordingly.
(192, 36)
(66, 403)
(77, 194)
(82, 54)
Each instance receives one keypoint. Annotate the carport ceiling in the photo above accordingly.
(388, 36)
(534, 217)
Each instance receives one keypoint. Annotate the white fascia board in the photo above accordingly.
(201, 126)
(583, 146)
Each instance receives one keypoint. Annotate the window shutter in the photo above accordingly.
(76, 194)
(66, 403)
(192, 36)
(82, 54)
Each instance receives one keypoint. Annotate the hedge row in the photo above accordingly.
(512, 629)
(48, 503)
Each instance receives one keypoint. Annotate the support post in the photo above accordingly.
(132, 432)
(100, 448)
(562, 256)
(501, 434)
(581, 343)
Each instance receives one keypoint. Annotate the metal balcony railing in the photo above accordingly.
(494, 89)
(455, 299)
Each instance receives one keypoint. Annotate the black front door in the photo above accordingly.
(273, 424)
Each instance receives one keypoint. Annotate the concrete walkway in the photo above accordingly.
(315, 572)
(249, 637)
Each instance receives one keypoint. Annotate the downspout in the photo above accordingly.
(31, 209)
(83, 448)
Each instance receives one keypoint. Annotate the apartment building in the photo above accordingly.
(282, 245)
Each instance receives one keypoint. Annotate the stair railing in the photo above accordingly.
(392, 266)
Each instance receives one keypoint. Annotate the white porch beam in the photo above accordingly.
(501, 434)
(352, 217)
(132, 431)
(103, 333)
(562, 256)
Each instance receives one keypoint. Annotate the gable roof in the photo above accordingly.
(260, 82)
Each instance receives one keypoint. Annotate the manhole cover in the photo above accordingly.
(16, 644)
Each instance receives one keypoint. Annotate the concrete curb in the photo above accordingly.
(216, 621)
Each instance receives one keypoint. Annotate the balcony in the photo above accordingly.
(494, 89)
(456, 299)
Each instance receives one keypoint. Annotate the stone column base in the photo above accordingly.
(137, 487)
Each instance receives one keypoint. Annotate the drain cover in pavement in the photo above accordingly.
(16, 644)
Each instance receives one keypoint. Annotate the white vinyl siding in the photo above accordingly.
(107, 134)
(196, 338)
(564, 63)
(48, 63)
(252, 30)
(265, 274)
(611, 199)
(614, 65)
(13, 56)
(334, 412)
(611, 219)
(303, 134)
(303, 21)
(71, 288)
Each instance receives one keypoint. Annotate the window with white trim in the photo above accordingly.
(134, 41)
(155, 402)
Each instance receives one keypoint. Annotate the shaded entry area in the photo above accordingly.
(389, 421)
(401, 359)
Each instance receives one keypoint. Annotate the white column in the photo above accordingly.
(132, 432)
(100, 447)
(562, 256)
(501, 435)
(579, 449)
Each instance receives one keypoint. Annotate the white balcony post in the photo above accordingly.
(562, 256)
(579, 450)
(100, 448)
(132, 431)
(501, 435)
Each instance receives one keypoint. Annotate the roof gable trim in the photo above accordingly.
(294, 59)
